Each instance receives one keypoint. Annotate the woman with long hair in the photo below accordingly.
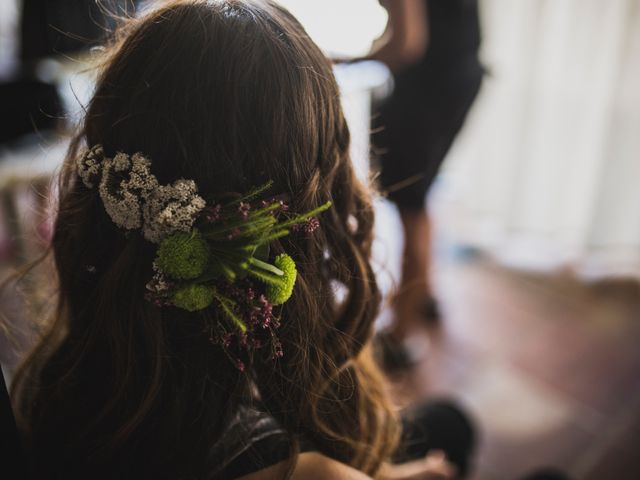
(177, 349)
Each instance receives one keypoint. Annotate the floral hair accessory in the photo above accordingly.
(134, 199)
(212, 257)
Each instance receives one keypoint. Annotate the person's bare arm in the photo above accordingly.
(406, 37)
(310, 466)
(434, 466)
(315, 466)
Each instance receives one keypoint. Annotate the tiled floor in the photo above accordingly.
(549, 367)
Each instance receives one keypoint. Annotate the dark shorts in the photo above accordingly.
(414, 129)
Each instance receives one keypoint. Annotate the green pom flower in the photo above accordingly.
(183, 256)
(279, 291)
(193, 297)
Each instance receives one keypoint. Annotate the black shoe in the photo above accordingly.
(547, 474)
(390, 353)
(430, 311)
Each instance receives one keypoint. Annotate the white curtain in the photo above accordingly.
(546, 172)
(8, 37)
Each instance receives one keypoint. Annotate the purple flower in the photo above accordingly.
(311, 225)
(266, 311)
(212, 214)
(244, 208)
(226, 339)
(234, 233)
(240, 364)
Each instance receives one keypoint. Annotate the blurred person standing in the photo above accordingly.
(431, 47)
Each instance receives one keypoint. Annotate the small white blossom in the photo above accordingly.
(123, 206)
(134, 199)
(88, 165)
(171, 208)
(121, 162)
(158, 283)
(140, 180)
(126, 184)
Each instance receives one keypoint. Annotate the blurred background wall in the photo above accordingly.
(545, 172)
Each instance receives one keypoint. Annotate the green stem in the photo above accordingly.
(228, 272)
(257, 217)
(266, 266)
(267, 278)
(224, 303)
(274, 236)
(256, 227)
(305, 216)
(253, 193)
(261, 211)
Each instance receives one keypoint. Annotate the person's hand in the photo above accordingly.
(434, 466)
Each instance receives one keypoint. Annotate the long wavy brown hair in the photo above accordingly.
(231, 94)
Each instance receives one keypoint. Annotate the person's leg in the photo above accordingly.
(414, 290)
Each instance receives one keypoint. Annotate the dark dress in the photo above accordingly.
(254, 440)
(415, 127)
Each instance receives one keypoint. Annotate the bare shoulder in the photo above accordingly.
(310, 466)
(315, 466)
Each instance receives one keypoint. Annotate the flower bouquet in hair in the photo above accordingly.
(211, 257)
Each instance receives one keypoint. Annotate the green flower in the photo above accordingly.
(183, 256)
(193, 297)
(280, 290)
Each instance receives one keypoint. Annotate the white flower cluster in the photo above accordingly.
(88, 165)
(171, 208)
(134, 199)
(158, 283)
